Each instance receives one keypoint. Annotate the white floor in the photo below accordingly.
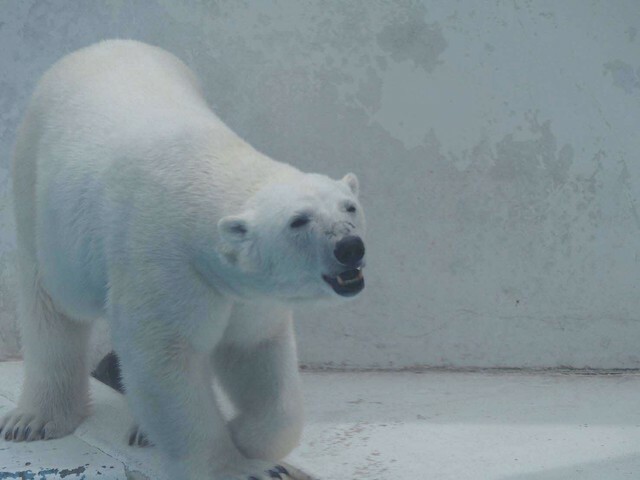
(383, 426)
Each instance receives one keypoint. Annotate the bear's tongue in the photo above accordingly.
(349, 277)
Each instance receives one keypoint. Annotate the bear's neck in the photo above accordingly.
(246, 171)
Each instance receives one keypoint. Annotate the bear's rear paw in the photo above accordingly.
(28, 425)
(137, 438)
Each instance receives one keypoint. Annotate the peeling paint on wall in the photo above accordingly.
(624, 75)
(414, 40)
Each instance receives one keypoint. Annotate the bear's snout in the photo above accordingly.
(349, 250)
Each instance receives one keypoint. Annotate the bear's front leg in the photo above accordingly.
(167, 375)
(257, 365)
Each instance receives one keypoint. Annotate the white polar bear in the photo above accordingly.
(135, 202)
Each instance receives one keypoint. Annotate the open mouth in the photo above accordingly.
(347, 283)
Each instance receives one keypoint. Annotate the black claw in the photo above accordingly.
(281, 469)
(16, 431)
(7, 435)
(253, 478)
(132, 438)
(27, 431)
(274, 474)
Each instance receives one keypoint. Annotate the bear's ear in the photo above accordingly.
(234, 228)
(352, 182)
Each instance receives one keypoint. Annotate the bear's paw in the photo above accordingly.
(137, 438)
(259, 470)
(28, 425)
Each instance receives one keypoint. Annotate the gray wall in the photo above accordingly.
(497, 146)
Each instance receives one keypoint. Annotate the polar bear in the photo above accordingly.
(134, 202)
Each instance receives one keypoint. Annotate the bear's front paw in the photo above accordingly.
(270, 439)
(29, 425)
(257, 470)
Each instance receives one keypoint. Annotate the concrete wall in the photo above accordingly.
(497, 146)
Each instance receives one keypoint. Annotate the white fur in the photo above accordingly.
(135, 202)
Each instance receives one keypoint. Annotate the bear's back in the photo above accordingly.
(122, 86)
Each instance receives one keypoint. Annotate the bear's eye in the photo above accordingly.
(299, 222)
(351, 208)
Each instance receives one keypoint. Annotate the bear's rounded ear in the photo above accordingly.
(352, 182)
(234, 228)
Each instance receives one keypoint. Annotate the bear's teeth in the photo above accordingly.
(356, 279)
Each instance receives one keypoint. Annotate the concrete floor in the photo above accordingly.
(383, 426)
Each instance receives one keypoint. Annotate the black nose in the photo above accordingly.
(349, 250)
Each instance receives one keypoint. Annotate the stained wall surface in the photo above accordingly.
(496, 143)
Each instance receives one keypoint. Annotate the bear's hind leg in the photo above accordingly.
(54, 397)
(263, 383)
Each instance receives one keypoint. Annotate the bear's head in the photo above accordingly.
(298, 241)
